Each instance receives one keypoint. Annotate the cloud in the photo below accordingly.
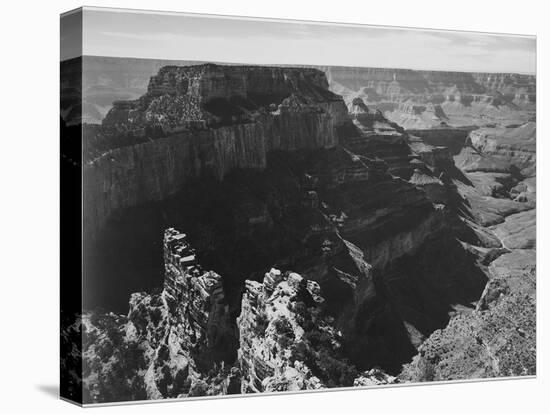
(186, 37)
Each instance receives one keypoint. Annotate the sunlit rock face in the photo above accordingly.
(198, 294)
(203, 120)
(286, 344)
(197, 97)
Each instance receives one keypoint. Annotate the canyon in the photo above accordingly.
(359, 226)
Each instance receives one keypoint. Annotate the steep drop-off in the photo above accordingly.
(340, 246)
(238, 115)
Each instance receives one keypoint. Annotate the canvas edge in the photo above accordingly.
(302, 392)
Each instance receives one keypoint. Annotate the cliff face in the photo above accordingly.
(275, 109)
(499, 165)
(513, 147)
(210, 82)
(397, 84)
(521, 87)
(203, 96)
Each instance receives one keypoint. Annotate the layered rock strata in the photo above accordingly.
(428, 99)
(509, 147)
(498, 166)
(225, 118)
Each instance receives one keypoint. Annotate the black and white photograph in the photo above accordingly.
(233, 207)
(255, 227)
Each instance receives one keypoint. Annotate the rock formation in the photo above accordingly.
(497, 339)
(170, 344)
(345, 249)
(372, 377)
(511, 147)
(201, 120)
(198, 294)
(166, 345)
(286, 344)
(429, 99)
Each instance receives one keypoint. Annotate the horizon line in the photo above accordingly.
(237, 63)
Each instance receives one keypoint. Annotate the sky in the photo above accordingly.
(175, 36)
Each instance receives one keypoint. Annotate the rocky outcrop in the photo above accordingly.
(497, 339)
(432, 186)
(513, 272)
(170, 344)
(376, 137)
(286, 344)
(198, 294)
(437, 158)
(509, 147)
(495, 343)
(413, 116)
(144, 355)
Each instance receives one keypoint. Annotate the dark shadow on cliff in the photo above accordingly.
(240, 227)
(412, 298)
(454, 173)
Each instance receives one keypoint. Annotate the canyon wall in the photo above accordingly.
(380, 238)
(397, 84)
(286, 110)
(417, 99)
